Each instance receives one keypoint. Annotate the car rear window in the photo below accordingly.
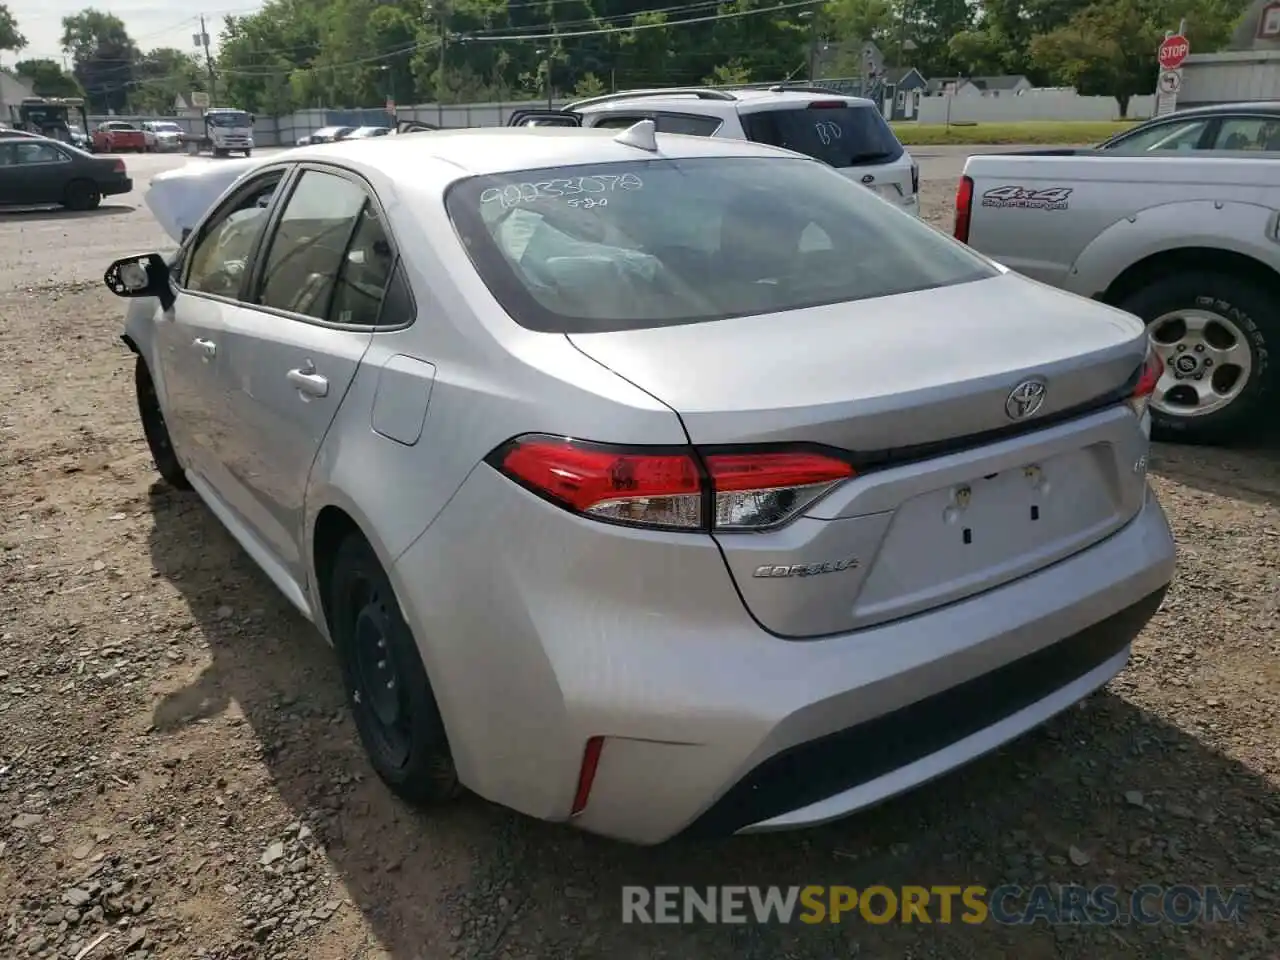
(842, 136)
(650, 243)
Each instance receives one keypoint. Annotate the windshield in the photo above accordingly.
(841, 136)
(235, 118)
(624, 246)
(46, 116)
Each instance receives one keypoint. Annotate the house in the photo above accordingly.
(902, 89)
(1004, 86)
(952, 86)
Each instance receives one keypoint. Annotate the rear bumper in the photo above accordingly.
(113, 188)
(540, 630)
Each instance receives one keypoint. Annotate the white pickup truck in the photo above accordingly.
(1189, 243)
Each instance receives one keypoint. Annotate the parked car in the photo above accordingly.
(363, 133)
(848, 133)
(655, 484)
(325, 135)
(118, 136)
(36, 171)
(163, 136)
(1185, 240)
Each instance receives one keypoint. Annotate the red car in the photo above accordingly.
(117, 136)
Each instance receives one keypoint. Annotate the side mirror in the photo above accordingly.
(252, 118)
(145, 276)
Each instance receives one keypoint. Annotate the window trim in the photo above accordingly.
(216, 215)
(254, 279)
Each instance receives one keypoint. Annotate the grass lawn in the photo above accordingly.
(1030, 132)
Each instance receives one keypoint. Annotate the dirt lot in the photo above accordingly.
(178, 777)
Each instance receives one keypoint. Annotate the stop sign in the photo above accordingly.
(1173, 50)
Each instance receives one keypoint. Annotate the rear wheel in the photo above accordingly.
(1213, 331)
(81, 195)
(156, 430)
(391, 699)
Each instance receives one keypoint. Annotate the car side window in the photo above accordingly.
(220, 255)
(309, 248)
(36, 153)
(617, 121)
(1248, 133)
(683, 123)
(1174, 135)
(366, 268)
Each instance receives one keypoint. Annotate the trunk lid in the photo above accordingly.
(953, 496)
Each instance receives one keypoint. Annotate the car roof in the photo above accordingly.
(490, 150)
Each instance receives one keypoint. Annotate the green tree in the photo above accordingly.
(103, 55)
(47, 78)
(1105, 50)
(10, 37)
(161, 76)
(589, 85)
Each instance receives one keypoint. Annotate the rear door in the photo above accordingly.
(851, 137)
(290, 355)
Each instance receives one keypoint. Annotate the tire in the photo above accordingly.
(218, 152)
(247, 154)
(1240, 320)
(155, 429)
(391, 699)
(81, 195)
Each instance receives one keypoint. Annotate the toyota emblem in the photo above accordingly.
(868, 179)
(1025, 399)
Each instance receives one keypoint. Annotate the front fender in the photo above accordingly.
(1245, 228)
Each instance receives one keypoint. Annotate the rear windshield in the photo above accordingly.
(841, 136)
(651, 243)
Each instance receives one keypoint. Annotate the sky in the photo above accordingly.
(151, 23)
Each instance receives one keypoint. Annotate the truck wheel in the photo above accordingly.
(1212, 329)
(82, 195)
(247, 154)
(219, 152)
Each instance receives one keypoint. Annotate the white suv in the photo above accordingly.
(846, 132)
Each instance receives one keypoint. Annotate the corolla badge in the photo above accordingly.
(1025, 399)
(806, 569)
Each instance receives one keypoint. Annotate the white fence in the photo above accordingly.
(1049, 105)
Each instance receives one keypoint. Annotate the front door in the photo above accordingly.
(34, 172)
(291, 353)
(211, 278)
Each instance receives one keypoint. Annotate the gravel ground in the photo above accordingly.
(178, 777)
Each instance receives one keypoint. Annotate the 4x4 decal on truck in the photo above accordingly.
(1054, 198)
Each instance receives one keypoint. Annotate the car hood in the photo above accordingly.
(179, 198)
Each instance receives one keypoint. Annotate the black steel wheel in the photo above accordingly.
(391, 698)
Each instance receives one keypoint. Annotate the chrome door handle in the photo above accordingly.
(308, 382)
(206, 347)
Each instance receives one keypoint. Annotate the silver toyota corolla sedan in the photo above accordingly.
(660, 484)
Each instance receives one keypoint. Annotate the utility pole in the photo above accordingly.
(208, 61)
(813, 46)
(442, 27)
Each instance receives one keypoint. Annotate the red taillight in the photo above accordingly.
(1152, 371)
(964, 206)
(827, 105)
(677, 489)
(119, 167)
(587, 774)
